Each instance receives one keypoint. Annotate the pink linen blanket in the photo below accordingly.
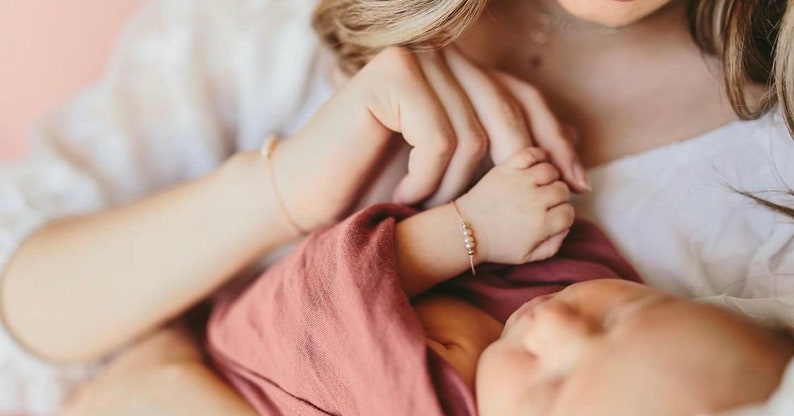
(329, 331)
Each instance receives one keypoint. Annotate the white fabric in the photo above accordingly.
(676, 212)
(194, 81)
(191, 82)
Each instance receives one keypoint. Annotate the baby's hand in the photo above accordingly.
(520, 211)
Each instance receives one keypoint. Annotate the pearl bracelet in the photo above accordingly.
(468, 238)
(267, 150)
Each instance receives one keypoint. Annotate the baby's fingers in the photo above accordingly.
(526, 158)
(543, 174)
(549, 247)
(554, 194)
(559, 219)
(547, 131)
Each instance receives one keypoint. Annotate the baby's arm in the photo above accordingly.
(519, 212)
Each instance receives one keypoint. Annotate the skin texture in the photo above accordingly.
(531, 199)
(612, 13)
(605, 84)
(604, 347)
(618, 348)
(158, 369)
(624, 90)
(320, 172)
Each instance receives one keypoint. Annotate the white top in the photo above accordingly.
(677, 214)
(193, 81)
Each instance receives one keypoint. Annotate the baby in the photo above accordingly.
(363, 319)
(608, 347)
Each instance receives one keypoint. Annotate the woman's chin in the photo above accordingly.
(612, 13)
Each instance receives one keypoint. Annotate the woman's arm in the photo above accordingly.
(166, 111)
(80, 287)
(109, 277)
(163, 375)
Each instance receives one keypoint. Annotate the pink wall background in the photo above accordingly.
(50, 50)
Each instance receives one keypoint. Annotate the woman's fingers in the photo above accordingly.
(451, 112)
(499, 112)
(547, 131)
(411, 107)
(471, 140)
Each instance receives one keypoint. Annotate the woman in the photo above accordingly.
(626, 75)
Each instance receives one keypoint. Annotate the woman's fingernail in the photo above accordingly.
(578, 171)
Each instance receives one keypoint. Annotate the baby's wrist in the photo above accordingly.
(447, 235)
(430, 249)
(471, 214)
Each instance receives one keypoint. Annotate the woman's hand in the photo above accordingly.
(520, 211)
(450, 111)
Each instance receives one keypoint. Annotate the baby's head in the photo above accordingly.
(610, 347)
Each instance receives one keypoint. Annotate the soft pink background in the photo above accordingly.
(49, 50)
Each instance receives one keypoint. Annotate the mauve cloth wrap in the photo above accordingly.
(329, 331)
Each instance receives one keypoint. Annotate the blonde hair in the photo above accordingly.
(358, 29)
(754, 38)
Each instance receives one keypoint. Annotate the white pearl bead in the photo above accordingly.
(470, 245)
(467, 232)
(468, 240)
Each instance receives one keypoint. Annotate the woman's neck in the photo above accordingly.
(626, 90)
